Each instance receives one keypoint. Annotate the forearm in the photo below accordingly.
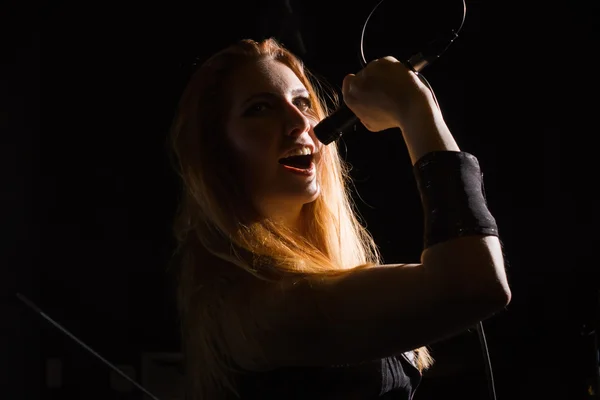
(426, 131)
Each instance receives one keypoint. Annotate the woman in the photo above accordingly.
(281, 291)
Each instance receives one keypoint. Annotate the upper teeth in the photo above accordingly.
(303, 151)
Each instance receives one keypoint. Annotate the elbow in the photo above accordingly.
(494, 297)
(499, 297)
(494, 287)
(504, 295)
(473, 269)
(481, 293)
(469, 306)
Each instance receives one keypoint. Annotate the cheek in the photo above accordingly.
(255, 141)
(243, 143)
(251, 154)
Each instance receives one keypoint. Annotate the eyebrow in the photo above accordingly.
(294, 92)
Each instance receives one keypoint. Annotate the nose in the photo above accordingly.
(296, 121)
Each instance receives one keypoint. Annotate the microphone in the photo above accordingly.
(343, 119)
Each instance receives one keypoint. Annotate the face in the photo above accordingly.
(270, 128)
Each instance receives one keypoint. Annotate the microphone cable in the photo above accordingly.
(343, 120)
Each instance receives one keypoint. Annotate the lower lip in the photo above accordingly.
(305, 172)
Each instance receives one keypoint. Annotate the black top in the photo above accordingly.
(391, 378)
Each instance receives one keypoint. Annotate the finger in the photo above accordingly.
(391, 59)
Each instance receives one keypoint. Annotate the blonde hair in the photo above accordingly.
(215, 224)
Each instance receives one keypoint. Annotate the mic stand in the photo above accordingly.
(35, 308)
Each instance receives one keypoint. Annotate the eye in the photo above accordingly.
(258, 108)
(303, 103)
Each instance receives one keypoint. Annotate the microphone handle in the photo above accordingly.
(335, 125)
(343, 119)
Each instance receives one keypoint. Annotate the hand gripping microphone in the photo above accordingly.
(343, 119)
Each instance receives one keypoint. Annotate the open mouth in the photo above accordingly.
(299, 162)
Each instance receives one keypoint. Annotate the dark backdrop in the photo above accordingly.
(88, 92)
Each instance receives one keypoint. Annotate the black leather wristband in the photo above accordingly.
(452, 194)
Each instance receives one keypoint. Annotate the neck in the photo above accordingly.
(290, 217)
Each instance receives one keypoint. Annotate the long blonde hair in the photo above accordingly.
(214, 224)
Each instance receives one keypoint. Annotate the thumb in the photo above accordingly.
(347, 85)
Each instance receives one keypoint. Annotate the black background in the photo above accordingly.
(88, 92)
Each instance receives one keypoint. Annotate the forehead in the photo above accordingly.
(263, 75)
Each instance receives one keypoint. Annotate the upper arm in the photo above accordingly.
(356, 315)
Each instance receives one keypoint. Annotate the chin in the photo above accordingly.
(314, 197)
(301, 198)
